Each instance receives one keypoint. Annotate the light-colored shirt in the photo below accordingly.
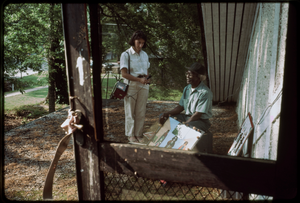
(199, 100)
(139, 63)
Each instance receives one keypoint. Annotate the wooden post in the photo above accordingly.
(80, 92)
(96, 44)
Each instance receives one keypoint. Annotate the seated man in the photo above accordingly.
(196, 100)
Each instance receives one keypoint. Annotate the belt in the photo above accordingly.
(141, 76)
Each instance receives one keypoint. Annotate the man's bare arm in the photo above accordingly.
(178, 109)
(194, 117)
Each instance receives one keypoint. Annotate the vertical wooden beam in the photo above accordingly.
(96, 45)
(235, 43)
(229, 37)
(223, 25)
(216, 44)
(207, 17)
(80, 92)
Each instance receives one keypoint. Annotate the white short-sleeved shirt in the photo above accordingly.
(139, 63)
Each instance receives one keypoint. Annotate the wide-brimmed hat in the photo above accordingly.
(197, 68)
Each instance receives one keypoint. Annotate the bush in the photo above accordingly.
(162, 93)
(30, 111)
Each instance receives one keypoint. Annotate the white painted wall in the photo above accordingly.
(260, 91)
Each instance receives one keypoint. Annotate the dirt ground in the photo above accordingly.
(30, 148)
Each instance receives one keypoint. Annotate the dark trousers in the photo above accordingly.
(202, 124)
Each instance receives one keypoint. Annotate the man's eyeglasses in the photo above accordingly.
(190, 74)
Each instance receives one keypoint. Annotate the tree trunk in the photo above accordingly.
(51, 88)
(51, 92)
(62, 95)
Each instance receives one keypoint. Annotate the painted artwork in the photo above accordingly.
(175, 135)
(243, 134)
(160, 135)
(149, 135)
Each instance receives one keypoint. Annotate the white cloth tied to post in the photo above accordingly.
(71, 123)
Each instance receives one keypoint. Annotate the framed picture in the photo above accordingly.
(175, 135)
(243, 134)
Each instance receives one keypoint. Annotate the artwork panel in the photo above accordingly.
(191, 137)
(241, 137)
(173, 125)
(163, 131)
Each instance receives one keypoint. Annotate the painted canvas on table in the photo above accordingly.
(175, 135)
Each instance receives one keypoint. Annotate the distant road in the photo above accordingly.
(29, 90)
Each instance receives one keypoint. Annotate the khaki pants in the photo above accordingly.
(135, 108)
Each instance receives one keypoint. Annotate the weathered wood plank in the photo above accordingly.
(223, 25)
(202, 39)
(287, 155)
(249, 12)
(216, 44)
(235, 45)
(79, 80)
(96, 44)
(207, 18)
(207, 170)
(229, 37)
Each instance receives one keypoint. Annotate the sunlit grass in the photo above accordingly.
(155, 92)
(32, 81)
(163, 94)
(30, 98)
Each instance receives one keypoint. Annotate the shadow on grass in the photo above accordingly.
(42, 93)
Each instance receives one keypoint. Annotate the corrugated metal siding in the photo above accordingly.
(227, 29)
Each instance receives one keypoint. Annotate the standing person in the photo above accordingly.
(161, 139)
(171, 142)
(183, 147)
(137, 94)
(196, 100)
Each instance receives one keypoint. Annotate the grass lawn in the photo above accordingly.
(32, 81)
(163, 94)
(155, 92)
(107, 82)
(29, 101)
(30, 98)
(29, 105)
(37, 80)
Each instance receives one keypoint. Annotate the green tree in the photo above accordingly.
(32, 35)
(22, 40)
(173, 34)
